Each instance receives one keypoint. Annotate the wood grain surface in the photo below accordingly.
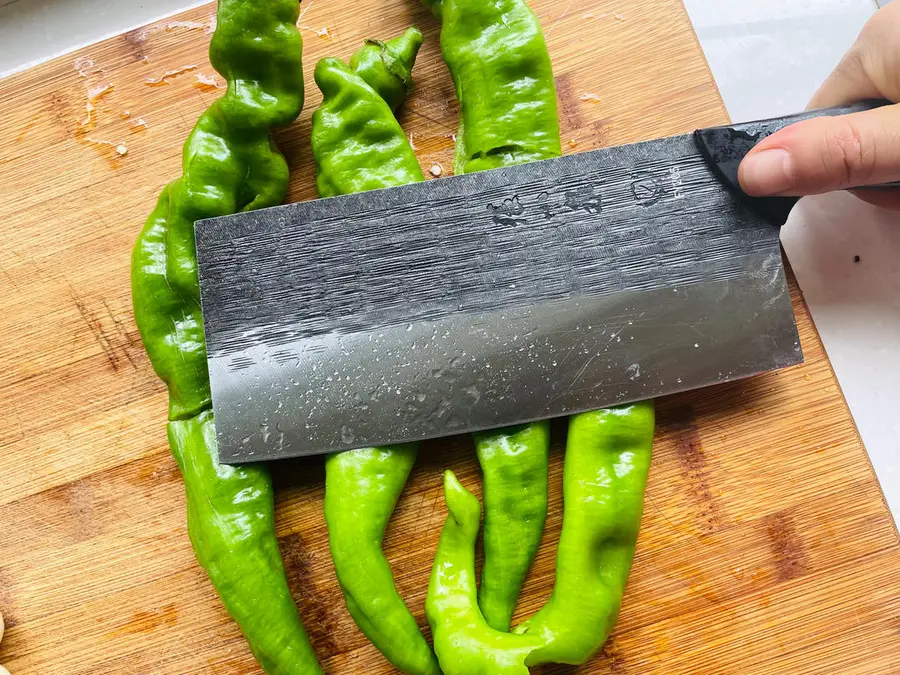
(766, 545)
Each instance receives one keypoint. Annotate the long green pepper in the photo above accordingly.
(229, 164)
(514, 465)
(605, 474)
(607, 461)
(464, 642)
(500, 66)
(359, 145)
(501, 69)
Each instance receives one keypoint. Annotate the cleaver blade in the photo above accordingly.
(493, 299)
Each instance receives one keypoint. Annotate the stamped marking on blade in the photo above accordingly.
(486, 300)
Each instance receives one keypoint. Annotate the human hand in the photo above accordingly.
(838, 153)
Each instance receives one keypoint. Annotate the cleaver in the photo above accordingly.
(496, 298)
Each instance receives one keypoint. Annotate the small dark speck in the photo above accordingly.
(856, 258)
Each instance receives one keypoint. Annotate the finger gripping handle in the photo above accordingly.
(726, 146)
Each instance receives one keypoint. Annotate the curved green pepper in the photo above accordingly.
(464, 642)
(361, 491)
(500, 66)
(607, 460)
(359, 145)
(229, 164)
(514, 464)
(231, 524)
(499, 62)
(604, 477)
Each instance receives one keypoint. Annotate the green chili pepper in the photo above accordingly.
(359, 145)
(356, 140)
(231, 523)
(463, 641)
(499, 62)
(361, 491)
(229, 164)
(498, 59)
(607, 461)
(514, 463)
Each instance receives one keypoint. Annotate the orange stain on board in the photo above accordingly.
(28, 127)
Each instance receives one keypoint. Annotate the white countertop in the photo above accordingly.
(768, 56)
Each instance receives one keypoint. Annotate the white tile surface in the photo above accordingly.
(768, 56)
(856, 307)
(32, 31)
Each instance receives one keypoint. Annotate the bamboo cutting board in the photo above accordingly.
(766, 545)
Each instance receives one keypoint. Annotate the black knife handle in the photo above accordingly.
(726, 146)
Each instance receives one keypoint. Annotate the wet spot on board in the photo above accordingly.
(56, 517)
(79, 496)
(147, 621)
(694, 467)
(786, 546)
(298, 566)
(570, 106)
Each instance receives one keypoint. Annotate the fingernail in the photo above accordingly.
(769, 172)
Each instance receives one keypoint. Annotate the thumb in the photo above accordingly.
(825, 154)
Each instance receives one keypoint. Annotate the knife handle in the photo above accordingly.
(726, 146)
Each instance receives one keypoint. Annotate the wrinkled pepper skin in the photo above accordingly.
(229, 164)
(514, 464)
(171, 330)
(498, 59)
(356, 140)
(231, 524)
(464, 641)
(605, 474)
(359, 145)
